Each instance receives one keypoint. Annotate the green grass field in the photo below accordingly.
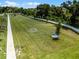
(3, 36)
(33, 40)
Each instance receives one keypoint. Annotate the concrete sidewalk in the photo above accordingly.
(10, 44)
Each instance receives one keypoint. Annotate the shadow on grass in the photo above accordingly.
(1, 39)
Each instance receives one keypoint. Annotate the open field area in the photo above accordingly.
(33, 40)
(3, 36)
(39, 29)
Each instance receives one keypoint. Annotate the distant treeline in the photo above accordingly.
(67, 12)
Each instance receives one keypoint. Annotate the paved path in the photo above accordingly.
(10, 44)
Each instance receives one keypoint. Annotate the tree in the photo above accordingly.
(75, 12)
(73, 8)
(43, 10)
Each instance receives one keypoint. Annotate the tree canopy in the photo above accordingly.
(67, 12)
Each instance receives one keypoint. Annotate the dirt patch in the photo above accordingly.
(33, 30)
(0, 49)
(18, 51)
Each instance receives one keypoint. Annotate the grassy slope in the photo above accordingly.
(39, 44)
(3, 36)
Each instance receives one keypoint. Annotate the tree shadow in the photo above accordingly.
(1, 39)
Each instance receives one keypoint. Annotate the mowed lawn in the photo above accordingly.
(33, 40)
(3, 37)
